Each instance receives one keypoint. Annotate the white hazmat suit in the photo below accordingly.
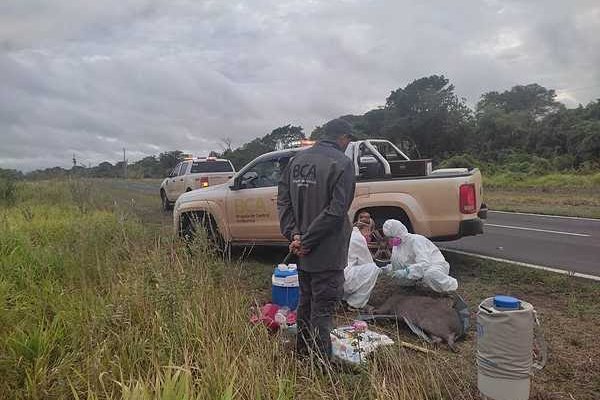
(361, 273)
(417, 258)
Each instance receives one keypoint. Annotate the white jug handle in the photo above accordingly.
(540, 347)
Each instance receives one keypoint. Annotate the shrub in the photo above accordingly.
(527, 164)
(589, 166)
(8, 191)
(540, 166)
(460, 161)
(563, 162)
(81, 193)
(518, 167)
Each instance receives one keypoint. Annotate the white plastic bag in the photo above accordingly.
(353, 347)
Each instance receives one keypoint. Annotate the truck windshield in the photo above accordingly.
(211, 166)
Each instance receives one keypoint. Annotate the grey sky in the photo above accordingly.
(90, 77)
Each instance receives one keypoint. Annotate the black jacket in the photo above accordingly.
(315, 193)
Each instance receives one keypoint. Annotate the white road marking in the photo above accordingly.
(538, 230)
(522, 264)
(544, 215)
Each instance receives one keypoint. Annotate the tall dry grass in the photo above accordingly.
(96, 305)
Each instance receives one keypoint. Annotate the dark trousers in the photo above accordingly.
(319, 293)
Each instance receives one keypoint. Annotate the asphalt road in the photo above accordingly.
(565, 243)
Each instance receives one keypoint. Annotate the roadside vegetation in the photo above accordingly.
(524, 183)
(97, 300)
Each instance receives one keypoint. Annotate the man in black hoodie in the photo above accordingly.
(315, 193)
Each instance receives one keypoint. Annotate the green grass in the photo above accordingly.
(98, 301)
(578, 203)
(575, 195)
(548, 182)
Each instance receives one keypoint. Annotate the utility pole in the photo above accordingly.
(124, 164)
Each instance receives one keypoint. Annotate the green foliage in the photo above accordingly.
(526, 164)
(279, 138)
(563, 162)
(429, 113)
(11, 174)
(8, 191)
(549, 181)
(519, 167)
(533, 99)
(425, 118)
(461, 161)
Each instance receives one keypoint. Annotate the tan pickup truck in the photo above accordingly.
(194, 173)
(441, 204)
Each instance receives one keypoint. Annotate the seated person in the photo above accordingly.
(416, 259)
(361, 273)
(374, 239)
(365, 218)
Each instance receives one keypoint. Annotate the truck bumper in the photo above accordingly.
(470, 227)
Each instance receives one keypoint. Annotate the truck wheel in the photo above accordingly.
(214, 236)
(166, 204)
(191, 222)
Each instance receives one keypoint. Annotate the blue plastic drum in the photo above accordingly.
(285, 289)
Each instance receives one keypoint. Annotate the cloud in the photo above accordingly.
(92, 77)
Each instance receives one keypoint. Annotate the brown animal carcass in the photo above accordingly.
(434, 315)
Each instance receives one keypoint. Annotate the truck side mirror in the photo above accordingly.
(245, 181)
(236, 184)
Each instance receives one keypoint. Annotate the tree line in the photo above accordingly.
(523, 129)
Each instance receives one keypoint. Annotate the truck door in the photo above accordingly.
(176, 183)
(252, 206)
(170, 184)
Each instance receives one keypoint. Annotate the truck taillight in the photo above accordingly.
(203, 181)
(468, 203)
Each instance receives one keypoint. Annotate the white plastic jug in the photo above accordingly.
(505, 336)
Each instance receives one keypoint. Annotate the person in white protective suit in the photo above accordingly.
(415, 258)
(361, 273)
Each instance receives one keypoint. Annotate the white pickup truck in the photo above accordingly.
(441, 204)
(194, 173)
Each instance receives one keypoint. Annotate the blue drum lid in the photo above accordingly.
(507, 302)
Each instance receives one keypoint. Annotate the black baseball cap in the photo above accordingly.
(336, 128)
